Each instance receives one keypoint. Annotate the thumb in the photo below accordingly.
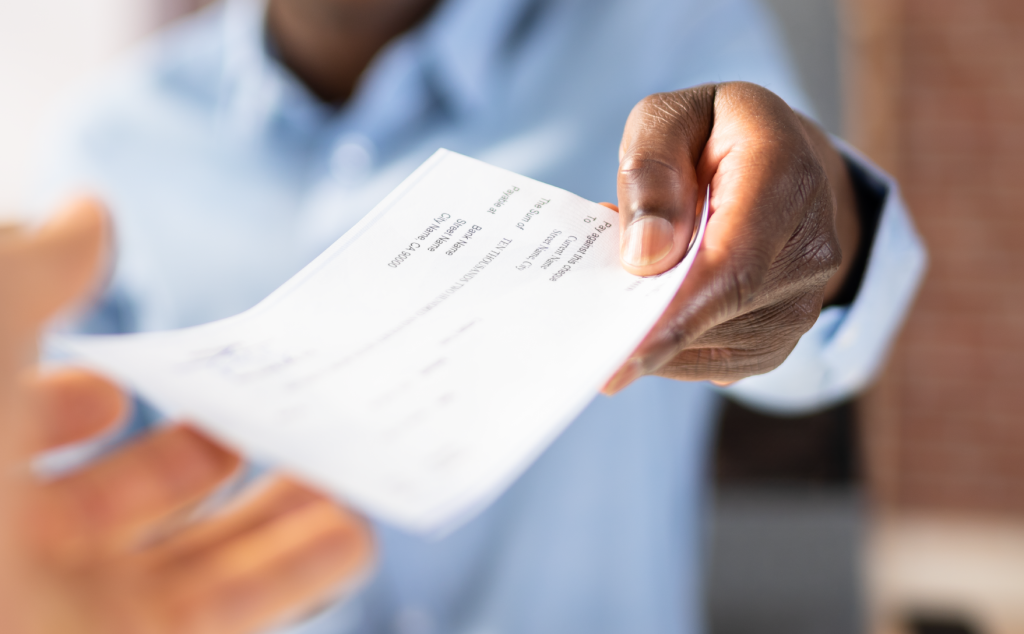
(657, 181)
(45, 271)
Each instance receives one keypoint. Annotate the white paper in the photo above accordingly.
(423, 361)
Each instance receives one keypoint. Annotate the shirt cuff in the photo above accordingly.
(847, 345)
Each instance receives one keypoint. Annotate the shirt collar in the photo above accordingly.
(454, 57)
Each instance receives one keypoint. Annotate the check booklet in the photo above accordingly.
(418, 366)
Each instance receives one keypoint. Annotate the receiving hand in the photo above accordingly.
(783, 212)
(108, 549)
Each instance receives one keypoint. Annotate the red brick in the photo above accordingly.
(946, 428)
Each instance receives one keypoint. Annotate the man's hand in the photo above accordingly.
(783, 212)
(108, 550)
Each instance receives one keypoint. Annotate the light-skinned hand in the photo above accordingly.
(108, 550)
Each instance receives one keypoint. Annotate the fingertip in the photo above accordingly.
(83, 212)
(79, 229)
(355, 540)
(611, 206)
(216, 458)
(646, 245)
(656, 200)
(73, 405)
(623, 378)
(70, 251)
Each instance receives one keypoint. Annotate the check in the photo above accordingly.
(423, 361)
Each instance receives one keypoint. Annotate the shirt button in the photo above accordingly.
(414, 620)
(352, 159)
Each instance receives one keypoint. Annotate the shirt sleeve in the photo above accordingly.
(847, 345)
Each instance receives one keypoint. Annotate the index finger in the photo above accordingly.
(71, 405)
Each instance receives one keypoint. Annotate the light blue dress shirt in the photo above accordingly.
(226, 176)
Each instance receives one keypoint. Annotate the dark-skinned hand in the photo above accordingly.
(783, 213)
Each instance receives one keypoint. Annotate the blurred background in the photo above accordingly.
(902, 513)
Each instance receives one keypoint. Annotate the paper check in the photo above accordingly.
(423, 361)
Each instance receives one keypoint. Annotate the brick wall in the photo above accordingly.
(935, 93)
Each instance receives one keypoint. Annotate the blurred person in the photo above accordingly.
(96, 552)
(239, 144)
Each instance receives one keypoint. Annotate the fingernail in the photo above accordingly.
(629, 372)
(647, 240)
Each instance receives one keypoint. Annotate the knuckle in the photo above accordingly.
(783, 324)
(811, 259)
(741, 282)
(677, 336)
(643, 164)
(804, 313)
(674, 114)
(812, 254)
(662, 108)
(806, 181)
(824, 255)
(651, 102)
(671, 341)
(809, 178)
